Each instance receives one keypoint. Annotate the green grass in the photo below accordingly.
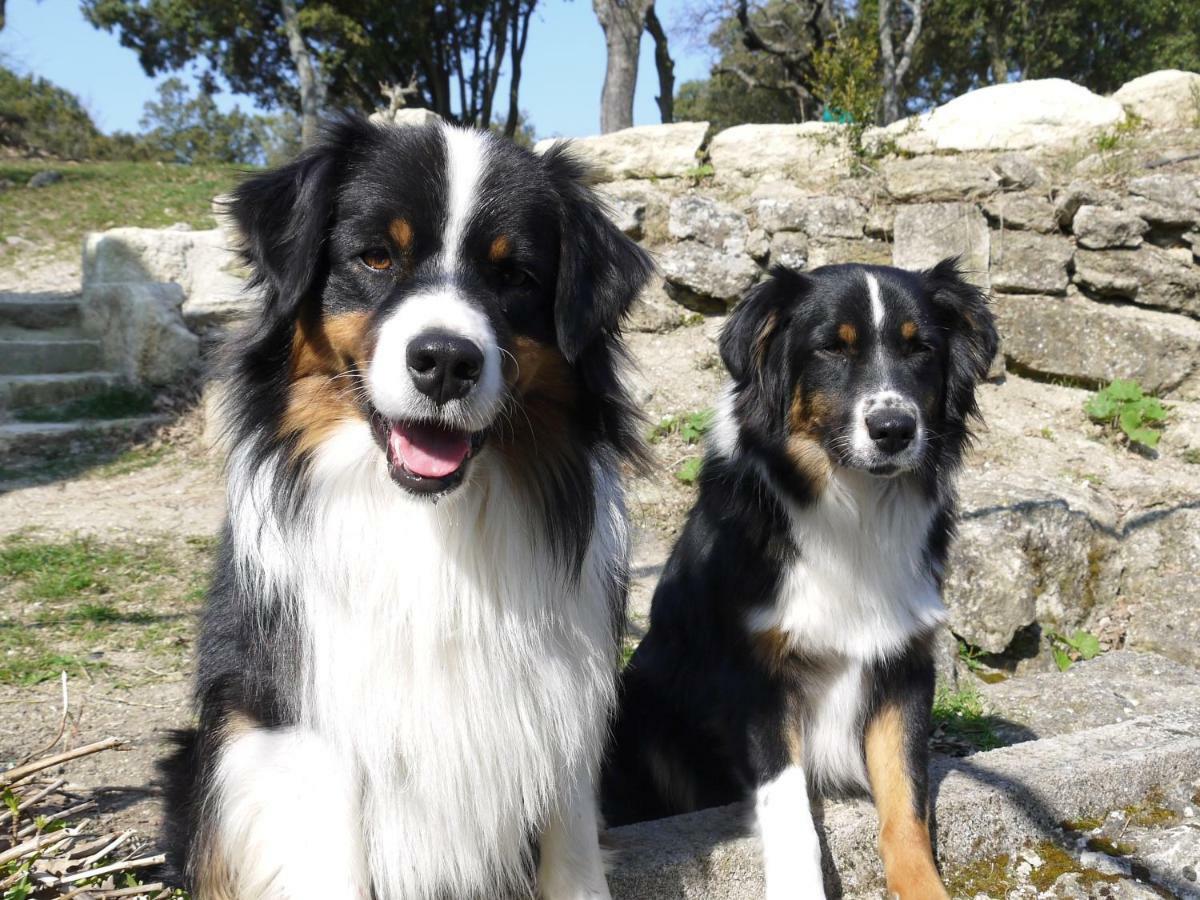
(93, 196)
(959, 716)
(110, 403)
(69, 602)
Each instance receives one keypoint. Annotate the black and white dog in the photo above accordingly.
(790, 638)
(407, 662)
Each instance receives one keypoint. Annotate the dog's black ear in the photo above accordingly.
(282, 216)
(600, 270)
(756, 319)
(972, 334)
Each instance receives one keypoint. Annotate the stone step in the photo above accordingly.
(19, 391)
(44, 438)
(38, 314)
(988, 806)
(34, 356)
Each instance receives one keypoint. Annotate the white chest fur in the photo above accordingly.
(858, 592)
(446, 660)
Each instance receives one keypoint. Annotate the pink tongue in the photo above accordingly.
(427, 450)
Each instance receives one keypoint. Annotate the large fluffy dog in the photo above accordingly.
(790, 637)
(407, 662)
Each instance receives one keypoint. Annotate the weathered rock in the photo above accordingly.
(829, 251)
(1149, 276)
(1028, 551)
(1099, 228)
(1113, 687)
(758, 245)
(141, 329)
(714, 224)
(45, 178)
(644, 151)
(926, 178)
(881, 222)
(406, 117)
(1011, 116)
(1180, 189)
(706, 279)
(1017, 171)
(789, 248)
(931, 232)
(655, 311)
(1168, 216)
(1075, 338)
(1024, 262)
(810, 153)
(1162, 553)
(627, 215)
(820, 216)
(986, 805)
(1077, 194)
(1026, 211)
(202, 262)
(1163, 99)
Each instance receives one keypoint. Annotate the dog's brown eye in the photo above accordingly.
(377, 258)
(512, 278)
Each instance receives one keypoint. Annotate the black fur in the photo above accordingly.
(704, 715)
(303, 227)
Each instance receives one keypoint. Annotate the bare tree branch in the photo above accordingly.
(665, 66)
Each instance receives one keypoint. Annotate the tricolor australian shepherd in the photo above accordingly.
(790, 638)
(407, 662)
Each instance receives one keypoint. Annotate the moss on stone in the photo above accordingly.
(985, 876)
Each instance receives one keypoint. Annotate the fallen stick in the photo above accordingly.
(115, 892)
(116, 867)
(34, 845)
(25, 804)
(20, 773)
(62, 814)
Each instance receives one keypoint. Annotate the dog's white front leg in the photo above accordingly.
(791, 848)
(571, 866)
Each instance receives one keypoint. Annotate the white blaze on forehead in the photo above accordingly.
(876, 299)
(466, 158)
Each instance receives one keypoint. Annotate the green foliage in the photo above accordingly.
(690, 427)
(187, 128)
(62, 597)
(689, 470)
(1098, 43)
(98, 195)
(727, 99)
(39, 117)
(848, 79)
(1117, 136)
(960, 715)
(1124, 405)
(1069, 650)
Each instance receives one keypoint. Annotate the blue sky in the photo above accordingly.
(560, 85)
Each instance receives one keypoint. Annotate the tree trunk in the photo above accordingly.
(665, 66)
(893, 70)
(622, 21)
(520, 33)
(312, 89)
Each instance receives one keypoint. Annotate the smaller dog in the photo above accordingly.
(790, 641)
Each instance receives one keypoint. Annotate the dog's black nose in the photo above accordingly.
(891, 429)
(444, 366)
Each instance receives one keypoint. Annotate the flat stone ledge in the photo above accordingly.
(986, 804)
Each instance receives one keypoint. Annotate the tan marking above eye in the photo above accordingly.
(500, 249)
(908, 330)
(379, 260)
(848, 333)
(402, 233)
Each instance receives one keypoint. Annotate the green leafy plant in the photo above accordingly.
(704, 170)
(689, 470)
(1124, 405)
(690, 427)
(1116, 136)
(1069, 650)
(959, 717)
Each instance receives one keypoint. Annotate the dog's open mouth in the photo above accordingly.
(427, 457)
